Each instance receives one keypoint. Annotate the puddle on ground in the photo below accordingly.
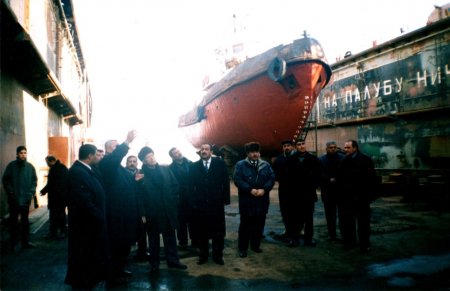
(400, 273)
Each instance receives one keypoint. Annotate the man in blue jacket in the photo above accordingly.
(254, 178)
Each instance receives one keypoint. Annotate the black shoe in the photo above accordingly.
(113, 283)
(310, 243)
(364, 250)
(50, 236)
(257, 250)
(202, 260)
(125, 274)
(183, 246)
(154, 270)
(28, 245)
(332, 239)
(219, 261)
(242, 254)
(178, 266)
(142, 257)
(293, 243)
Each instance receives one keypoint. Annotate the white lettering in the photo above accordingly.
(387, 87)
(357, 96)
(377, 89)
(334, 102)
(424, 78)
(436, 76)
(399, 84)
(366, 93)
(348, 96)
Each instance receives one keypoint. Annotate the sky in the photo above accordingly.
(146, 59)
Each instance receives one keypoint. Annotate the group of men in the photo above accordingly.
(347, 188)
(111, 207)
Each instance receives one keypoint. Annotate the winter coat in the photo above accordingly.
(357, 178)
(56, 186)
(160, 198)
(121, 198)
(303, 177)
(247, 177)
(20, 181)
(88, 258)
(210, 192)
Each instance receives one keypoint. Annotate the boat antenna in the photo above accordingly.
(305, 34)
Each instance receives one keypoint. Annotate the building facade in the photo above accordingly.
(45, 98)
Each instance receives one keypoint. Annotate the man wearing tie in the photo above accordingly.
(210, 191)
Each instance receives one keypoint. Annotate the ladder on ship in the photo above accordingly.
(310, 124)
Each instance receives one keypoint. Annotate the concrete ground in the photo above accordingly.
(410, 250)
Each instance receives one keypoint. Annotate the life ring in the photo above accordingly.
(277, 69)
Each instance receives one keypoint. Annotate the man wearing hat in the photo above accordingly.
(254, 178)
(280, 169)
(20, 181)
(159, 209)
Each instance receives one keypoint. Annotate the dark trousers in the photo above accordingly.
(356, 217)
(332, 212)
(183, 230)
(58, 221)
(218, 244)
(119, 257)
(284, 203)
(170, 247)
(15, 228)
(141, 239)
(300, 216)
(251, 231)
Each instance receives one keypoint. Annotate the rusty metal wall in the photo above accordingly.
(394, 100)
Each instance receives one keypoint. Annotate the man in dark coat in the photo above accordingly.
(88, 256)
(210, 192)
(180, 168)
(329, 189)
(254, 178)
(357, 179)
(304, 174)
(121, 203)
(56, 188)
(20, 181)
(280, 169)
(160, 207)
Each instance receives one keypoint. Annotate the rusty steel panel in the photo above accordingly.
(412, 82)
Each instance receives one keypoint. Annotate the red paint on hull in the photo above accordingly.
(261, 109)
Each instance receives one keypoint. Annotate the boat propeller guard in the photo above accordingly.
(277, 69)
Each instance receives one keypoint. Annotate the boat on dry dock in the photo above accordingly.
(266, 98)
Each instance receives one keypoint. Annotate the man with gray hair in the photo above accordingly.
(329, 188)
(121, 203)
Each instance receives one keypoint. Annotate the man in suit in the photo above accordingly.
(356, 177)
(180, 168)
(210, 192)
(88, 257)
(121, 203)
(303, 175)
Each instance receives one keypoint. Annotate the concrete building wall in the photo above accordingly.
(40, 103)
